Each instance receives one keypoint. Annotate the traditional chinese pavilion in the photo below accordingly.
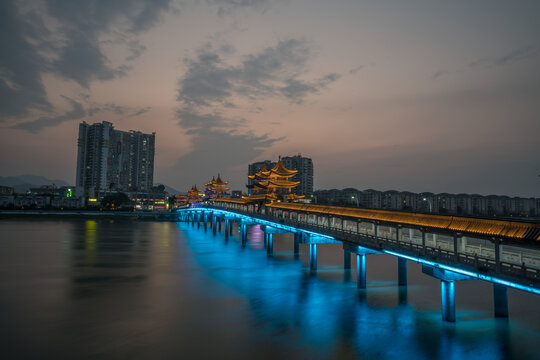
(273, 185)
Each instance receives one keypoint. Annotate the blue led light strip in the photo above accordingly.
(262, 222)
(468, 273)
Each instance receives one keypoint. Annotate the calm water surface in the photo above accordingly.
(85, 289)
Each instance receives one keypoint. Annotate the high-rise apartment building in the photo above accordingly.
(304, 166)
(113, 159)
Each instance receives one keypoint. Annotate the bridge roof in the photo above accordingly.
(485, 227)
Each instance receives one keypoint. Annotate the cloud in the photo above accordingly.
(81, 57)
(199, 123)
(273, 72)
(230, 6)
(514, 56)
(82, 60)
(115, 109)
(66, 38)
(21, 65)
(355, 70)
(296, 90)
(439, 74)
(136, 49)
(77, 112)
(141, 111)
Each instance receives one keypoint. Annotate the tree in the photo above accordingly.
(159, 189)
(113, 201)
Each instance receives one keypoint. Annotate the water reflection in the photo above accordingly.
(338, 319)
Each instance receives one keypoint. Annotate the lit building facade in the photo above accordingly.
(110, 159)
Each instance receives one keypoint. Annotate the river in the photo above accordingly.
(127, 289)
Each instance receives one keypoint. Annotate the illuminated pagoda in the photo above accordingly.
(194, 194)
(216, 188)
(273, 185)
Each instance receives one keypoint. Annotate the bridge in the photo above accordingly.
(449, 248)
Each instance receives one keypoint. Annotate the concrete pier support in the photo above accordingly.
(214, 224)
(346, 259)
(219, 224)
(297, 244)
(227, 229)
(199, 215)
(313, 257)
(269, 244)
(500, 299)
(448, 303)
(361, 271)
(231, 223)
(243, 230)
(205, 221)
(402, 271)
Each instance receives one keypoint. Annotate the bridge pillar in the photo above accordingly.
(500, 299)
(448, 278)
(448, 304)
(192, 216)
(313, 257)
(214, 224)
(231, 223)
(243, 229)
(270, 244)
(227, 229)
(361, 271)
(297, 244)
(205, 221)
(402, 271)
(219, 223)
(199, 220)
(346, 259)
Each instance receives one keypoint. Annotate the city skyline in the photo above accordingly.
(420, 96)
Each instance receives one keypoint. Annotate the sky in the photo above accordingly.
(440, 96)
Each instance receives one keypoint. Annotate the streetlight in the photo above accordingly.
(430, 205)
(353, 197)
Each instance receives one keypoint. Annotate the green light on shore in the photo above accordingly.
(69, 193)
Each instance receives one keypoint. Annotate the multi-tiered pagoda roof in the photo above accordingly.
(274, 184)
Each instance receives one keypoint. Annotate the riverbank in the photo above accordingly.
(88, 214)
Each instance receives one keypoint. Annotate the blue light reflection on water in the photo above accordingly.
(332, 316)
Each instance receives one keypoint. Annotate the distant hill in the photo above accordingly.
(23, 183)
(170, 190)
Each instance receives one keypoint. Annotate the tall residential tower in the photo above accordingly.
(113, 159)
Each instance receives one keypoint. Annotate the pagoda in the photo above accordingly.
(194, 194)
(216, 188)
(273, 185)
